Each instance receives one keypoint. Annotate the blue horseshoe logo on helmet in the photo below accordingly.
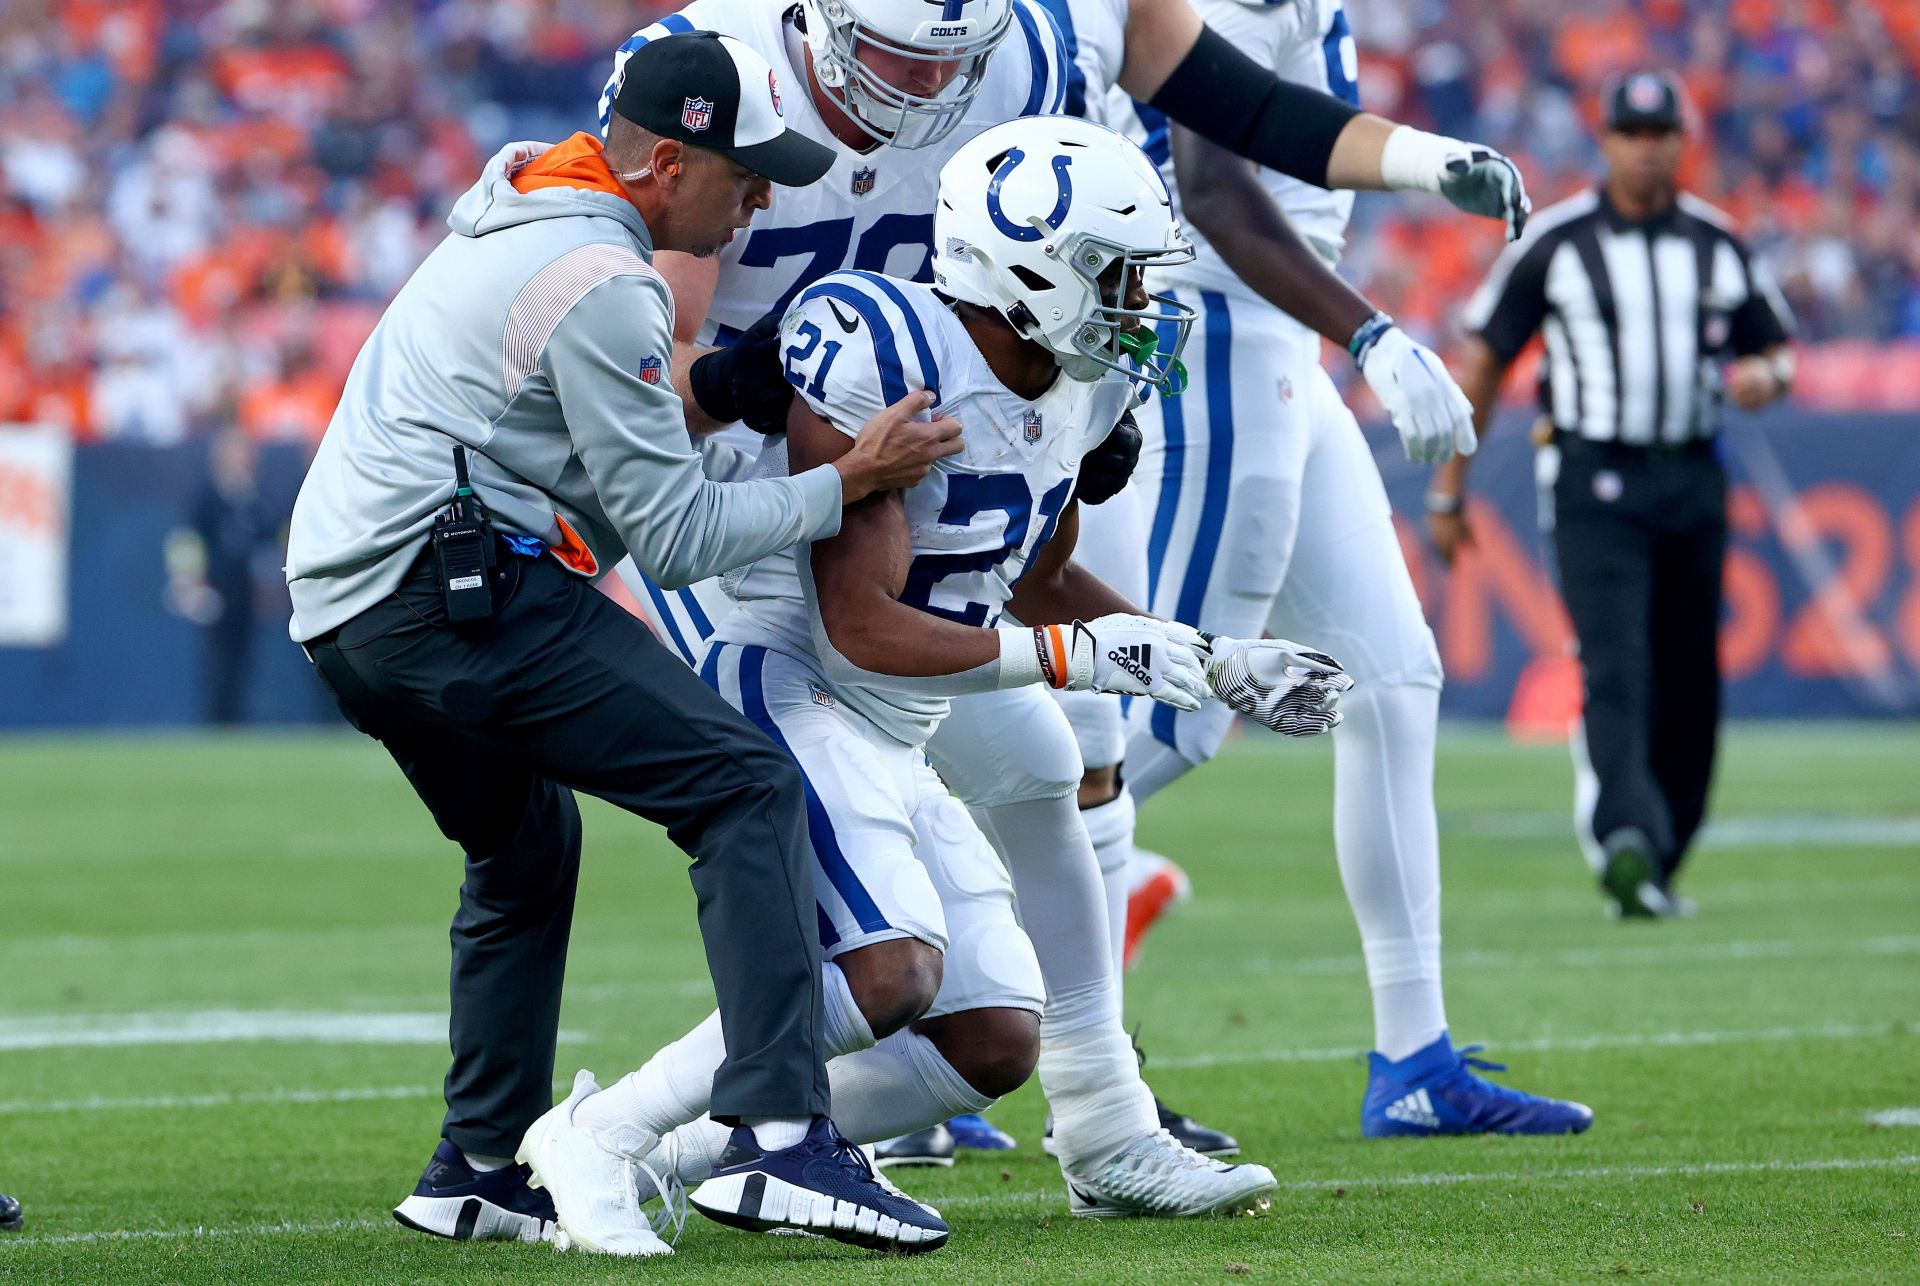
(1026, 231)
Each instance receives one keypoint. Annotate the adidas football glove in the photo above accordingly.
(1133, 655)
(1278, 685)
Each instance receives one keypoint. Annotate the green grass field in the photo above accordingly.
(222, 999)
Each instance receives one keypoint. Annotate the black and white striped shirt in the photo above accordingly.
(1637, 316)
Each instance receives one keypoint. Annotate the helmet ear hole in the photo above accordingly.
(1030, 279)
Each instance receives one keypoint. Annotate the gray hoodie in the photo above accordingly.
(539, 335)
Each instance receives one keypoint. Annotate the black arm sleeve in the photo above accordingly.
(1762, 320)
(1283, 126)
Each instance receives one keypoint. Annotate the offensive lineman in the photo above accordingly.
(848, 657)
(1267, 512)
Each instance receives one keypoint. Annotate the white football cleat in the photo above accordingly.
(593, 1187)
(1155, 1176)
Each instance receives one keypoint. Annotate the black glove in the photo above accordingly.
(745, 382)
(1105, 469)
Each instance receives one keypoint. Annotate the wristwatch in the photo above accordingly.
(1441, 503)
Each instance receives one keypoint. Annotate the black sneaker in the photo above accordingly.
(931, 1146)
(822, 1185)
(454, 1200)
(1631, 878)
(11, 1219)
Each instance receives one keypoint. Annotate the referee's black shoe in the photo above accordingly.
(457, 1201)
(11, 1218)
(1631, 880)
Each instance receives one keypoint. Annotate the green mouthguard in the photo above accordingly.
(1141, 345)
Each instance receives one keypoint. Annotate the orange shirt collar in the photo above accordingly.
(579, 162)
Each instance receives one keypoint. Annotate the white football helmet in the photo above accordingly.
(921, 31)
(1033, 212)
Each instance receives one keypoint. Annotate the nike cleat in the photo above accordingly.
(931, 1146)
(976, 1132)
(1158, 886)
(1186, 1131)
(454, 1200)
(822, 1185)
(595, 1187)
(1435, 1091)
(1156, 1177)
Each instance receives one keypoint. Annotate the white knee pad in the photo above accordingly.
(1006, 747)
(989, 962)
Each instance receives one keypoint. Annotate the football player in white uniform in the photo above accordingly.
(848, 655)
(1265, 511)
(887, 69)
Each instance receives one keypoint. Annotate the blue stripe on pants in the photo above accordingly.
(1173, 423)
(826, 845)
(1219, 484)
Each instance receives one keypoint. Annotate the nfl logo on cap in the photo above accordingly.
(1033, 426)
(650, 368)
(697, 114)
(863, 180)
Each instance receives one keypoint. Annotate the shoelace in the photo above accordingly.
(1480, 1064)
(673, 1202)
(1176, 1157)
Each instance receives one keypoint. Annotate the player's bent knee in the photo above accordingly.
(893, 982)
(993, 1050)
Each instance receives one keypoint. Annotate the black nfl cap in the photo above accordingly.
(1644, 99)
(711, 91)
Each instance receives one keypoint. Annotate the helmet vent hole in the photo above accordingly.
(1031, 279)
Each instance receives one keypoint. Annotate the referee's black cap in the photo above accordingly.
(712, 91)
(1645, 100)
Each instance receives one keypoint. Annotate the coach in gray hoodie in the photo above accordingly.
(539, 338)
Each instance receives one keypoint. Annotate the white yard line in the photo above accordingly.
(217, 1026)
(1895, 1116)
(1607, 957)
(1422, 1180)
(1564, 1044)
(170, 1102)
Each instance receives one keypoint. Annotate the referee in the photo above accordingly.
(1652, 311)
(459, 628)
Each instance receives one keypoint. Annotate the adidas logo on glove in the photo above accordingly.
(1136, 659)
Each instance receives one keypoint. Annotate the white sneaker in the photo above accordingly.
(592, 1186)
(1155, 1176)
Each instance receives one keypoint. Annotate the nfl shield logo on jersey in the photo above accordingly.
(650, 368)
(1033, 426)
(863, 180)
(697, 114)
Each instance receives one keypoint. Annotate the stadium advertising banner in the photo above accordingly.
(1822, 611)
(36, 478)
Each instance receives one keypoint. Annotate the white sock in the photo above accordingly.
(481, 1164)
(675, 1086)
(1062, 905)
(773, 1133)
(1389, 848)
(1110, 827)
(1100, 1104)
(901, 1085)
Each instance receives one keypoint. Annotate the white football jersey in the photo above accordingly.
(1096, 35)
(857, 342)
(1307, 42)
(874, 209)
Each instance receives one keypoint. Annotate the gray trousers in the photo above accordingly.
(496, 725)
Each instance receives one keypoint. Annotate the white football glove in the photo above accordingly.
(1293, 690)
(1473, 176)
(1433, 415)
(1134, 655)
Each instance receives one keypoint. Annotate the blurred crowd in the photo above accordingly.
(204, 203)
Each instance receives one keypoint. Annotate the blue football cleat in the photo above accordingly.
(1434, 1091)
(977, 1132)
(822, 1185)
(454, 1200)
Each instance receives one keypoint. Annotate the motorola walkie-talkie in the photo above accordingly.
(463, 551)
